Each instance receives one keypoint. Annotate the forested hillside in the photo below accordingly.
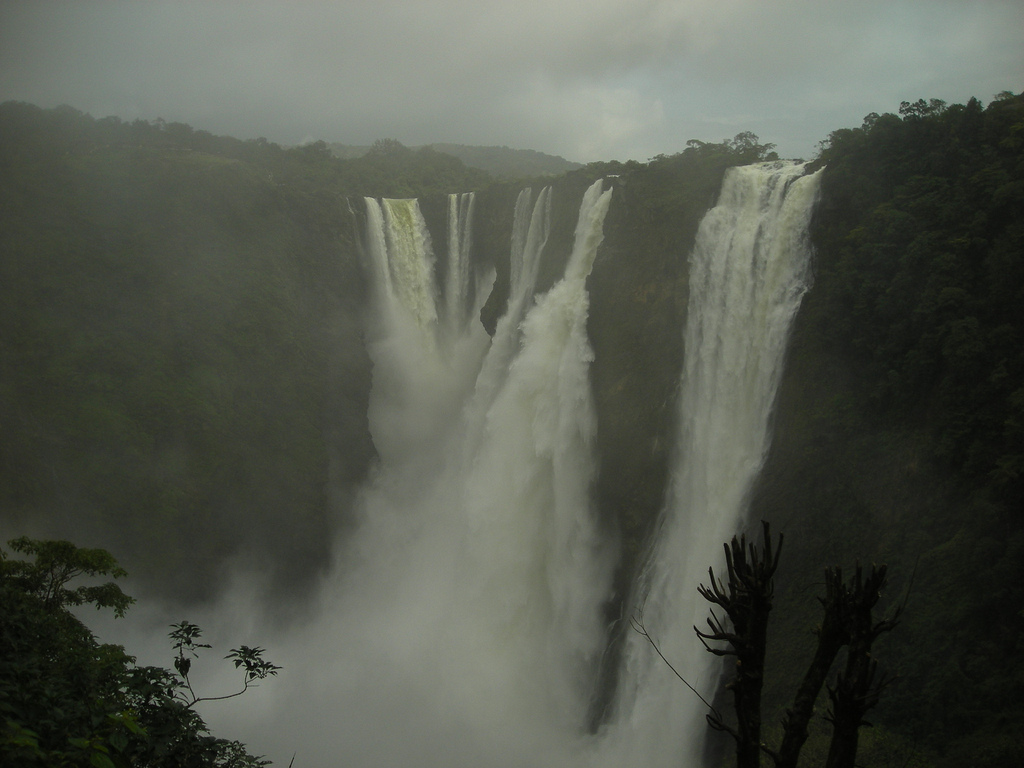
(183, 378)
(500, 162)
(899, 430)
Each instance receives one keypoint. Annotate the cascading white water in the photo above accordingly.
(467, 618)
(748, 272)
(410, 260)
(462, 624)
(529, 237)
(409, 399)
(460, 242)
(532, 548)
(377, 247)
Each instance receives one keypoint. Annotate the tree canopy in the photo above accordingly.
(68, 700)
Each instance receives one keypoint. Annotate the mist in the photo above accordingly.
(464, 619)
(460, 625)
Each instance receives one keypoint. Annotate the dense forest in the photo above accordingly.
(899, 427)
(183, 378)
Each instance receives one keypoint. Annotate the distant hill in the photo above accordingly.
(501, 162)
(347, 151)
(509, 163)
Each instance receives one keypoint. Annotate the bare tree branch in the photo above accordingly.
(637, 622)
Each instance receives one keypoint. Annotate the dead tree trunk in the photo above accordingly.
(858, 688)
(832, 636)
(747, 601)
(848, 621)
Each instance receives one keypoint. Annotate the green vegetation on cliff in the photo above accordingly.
(179, 326)
(898, 429)
(922, 224)
(499, 162)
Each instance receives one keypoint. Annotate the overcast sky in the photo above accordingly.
(585, 79)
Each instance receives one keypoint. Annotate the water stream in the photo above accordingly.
(463, 624)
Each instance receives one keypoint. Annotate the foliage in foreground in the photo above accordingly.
(68, 700)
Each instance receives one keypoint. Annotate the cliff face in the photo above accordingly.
(178, 336)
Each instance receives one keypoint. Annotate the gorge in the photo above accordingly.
(433, 455)
(467, 617)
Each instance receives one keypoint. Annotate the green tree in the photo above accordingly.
(59, 562)
(185, 637)
(68, 700)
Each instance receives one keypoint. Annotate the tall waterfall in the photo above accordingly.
(460, 243)
(463, 625)
(749, 270)
(469, 621)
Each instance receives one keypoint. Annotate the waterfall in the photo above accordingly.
(409, 400)
(479, 548)
(463, 622)
(532, 544)
(530, 232)
(378, 250)
(468, 611)
(410, 260)
(749, 270)
(460, 242)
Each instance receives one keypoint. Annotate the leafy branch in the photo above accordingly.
(185, 636)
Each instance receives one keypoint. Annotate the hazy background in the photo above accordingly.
(601, 79)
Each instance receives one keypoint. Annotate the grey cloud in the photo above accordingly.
(601, 79)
